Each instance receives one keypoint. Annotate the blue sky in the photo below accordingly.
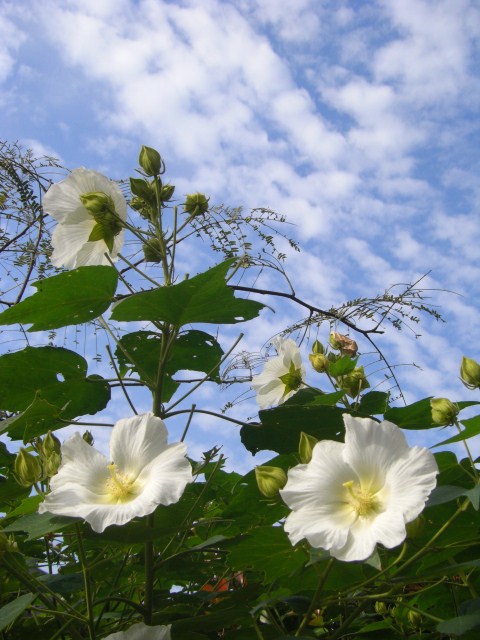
(357, 120)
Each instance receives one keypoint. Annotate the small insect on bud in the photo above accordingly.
(270, 480)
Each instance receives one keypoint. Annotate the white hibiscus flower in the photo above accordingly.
(141, 631)
(89, 209)
(281, 377)
(143, 472)
(351, 496)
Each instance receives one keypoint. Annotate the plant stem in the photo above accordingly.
(316, 597)
(149, 573)
(86, 583)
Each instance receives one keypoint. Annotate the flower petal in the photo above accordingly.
(141, 631)
(136, 441)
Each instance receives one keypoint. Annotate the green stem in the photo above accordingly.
(149, 573)
(467, 449)
(86, 583)
(316, 597)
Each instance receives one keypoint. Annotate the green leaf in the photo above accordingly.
(69, 298)
(373, 403)
(31, 378)
(342, 366)
(445, 493)
(37, 525)
(472, 428)
(417, 415)
(10, 612)
(65, 585)
(460, 625)
(203, 298)
(28, 505)
(37, 419)
(195, 351)
(281, 427)
(267, 549)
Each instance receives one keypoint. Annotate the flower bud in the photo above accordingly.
(51, 464)
(152, 250)
(167, 192)
(317, 347)
(98, 203)
(196, 204)
(270, 480)
(470, 373)
(51, 445)
(347, 346)
(414, 618)
(28, 469)
(319, 361)
(381, 608)
(151, 161)
(143, 190)
(444, 412)
(305, 447)
(87, 436)
(354, 382)
(102, 208)
(7, 544)
(415, 527)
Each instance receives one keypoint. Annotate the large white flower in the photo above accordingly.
(281, 377)
(141, 631)
(83, 235)
(143, 472)
(351, 496)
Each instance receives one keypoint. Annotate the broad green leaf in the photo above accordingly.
(267, 549)
(139, 352)
(11, 491)
(417, 415)
(10, 612)
(460, 625)
(203, 298)
(37, 525)
(342, 366)
(444, 493)
(36, 375)
(280, 428)
(373, 403)
(472, 428)
(28, 505)
(37, 419)
(63, 584)
(69, 298)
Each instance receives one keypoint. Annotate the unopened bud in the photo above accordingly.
(167, 192)
(7, 544)
(152, 250)
(470, 373)
(196, 204)
(317, 347)
(414, 618)
(305, 447)
(319, 361)
(143, 190)
(87, 436)
(51, 464)
(151, 161)
(98, 203)
(354, 382)
(270, 480)
(51, 444)
(28, 468)
(415, 527)
(381, 608)
(444, 412)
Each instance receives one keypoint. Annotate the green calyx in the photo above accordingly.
(292, 380)
(102, 209)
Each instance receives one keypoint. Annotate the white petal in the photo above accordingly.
(372, 447)
(410, 481)
(167, 476)
(68, 240)
(136, 441)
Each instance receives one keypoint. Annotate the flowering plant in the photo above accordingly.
(343, 531)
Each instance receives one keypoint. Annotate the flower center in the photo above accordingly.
(292, 380)
(120, 486)
(365, 503)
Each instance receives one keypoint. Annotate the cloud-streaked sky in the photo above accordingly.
(356, 119)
